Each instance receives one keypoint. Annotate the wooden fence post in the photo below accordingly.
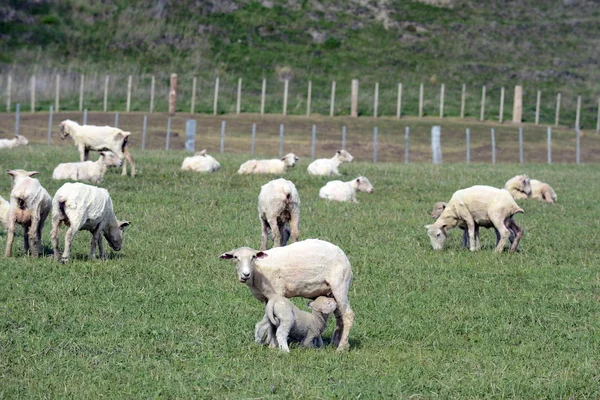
(32, 93)
(354, 101)
(128, 106)
(399, 103)
(308, 98)
(152, 94)
(557, 114)
(537, 107)
(286, 85)
(578, 113)
(238, 105)
(216, 98)
(463, 95)
(501, 113)
(482, 115)
(105, 103)
(442, 89)
(193, 100)
(332, 102)
(518, 105)
(190, 135)
(173, 95)
(81, 87)
(436, 146)
(376, 100)
(57, 95)
(468, 140)
(262, 96)
(421, 100)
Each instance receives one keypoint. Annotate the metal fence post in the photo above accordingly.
(190, 135)
(436, 145)
(17, 118)
(281, 140)
(521, 145)
(222, 146)
(493, 147)
(375, 144)
(253, 139)
(468, 146)
(344, 137)
(144, 127)
(168, 133)
(406, 143)
(313, 142)
(50, 125)
(549, 145)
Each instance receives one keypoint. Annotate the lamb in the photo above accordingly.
(274, 166)
(4, 209)
(201, 162)
(98, 138)
(477, 206)
(345, 191)
(29, 206)
(18, 140)
(519, 187)
(329, 166)
(305, 327)
(85, 207)
(278, 206)
(309, 268)
(92, 171)
(542, 191)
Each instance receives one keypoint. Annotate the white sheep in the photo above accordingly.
(4, 210)
(98, 138)
(201, 162)
(289, 321)
(92, 171)
(273, 166)
(519, 187)
(345, 191)
(329, 166)
(476, 206)
(85, 207)
(310, 268)
(29, 206)
(278, 206)
(18, 140)
(542, 191)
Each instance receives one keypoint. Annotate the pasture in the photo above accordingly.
(166, 318)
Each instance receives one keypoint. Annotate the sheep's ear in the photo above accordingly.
(102, 154)
(226, 256)
(123, 225)
(32, 173)
(339, 152)
(357, 180)
(427, 226)
(309, 304)
(261, 254)
(10, 172)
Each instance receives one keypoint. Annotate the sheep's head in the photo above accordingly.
(18, 174)
(114, 235)
(201, 153)
(522, 183)
(244, 258)
(21, 140)
(290, 159)
(64, 133)
(362, 184)
(110, 159)
(322, 304)
(344, 156)
(437, 235)
(438, 208)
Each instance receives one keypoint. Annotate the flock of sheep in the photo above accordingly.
(312, 268)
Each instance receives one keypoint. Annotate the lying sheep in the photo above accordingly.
(310, 268)
(329, 166)
(18, 140)
(519, 187)
(92, 171)
(85, 207)
(542, 191)
(278, 206)
(477, 206)
(289, 320)
(274, 166)
(29, 206)
(345, 191)
(4, 208)
(201, 162)
(98, 138)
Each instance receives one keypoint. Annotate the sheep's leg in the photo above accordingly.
(465, 239)
(129, 158)
(319, 340)
(504, 235)
(33, 236)
(10, 234)
(339, 327)
(344, 317)
(54, 235)
(68, 241)
(264, 234)
(26, 238)
(275, 232)
(82, 153)
(518, 232)
(101, 248)
(39, 232)
(477, 243)
(283, 331)
(308, 340)
(260, 329)
(294, 225)
(124, 168)
(95, 237)
(471, 230)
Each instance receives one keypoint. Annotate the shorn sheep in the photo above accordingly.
(329, 166)
(274, 166)
(542, 191)
(345, 191)
(278, 206)
(477, 206)
(92, 171)
(18, 140)
(310, 268)
(85, 207)
(201, 162)
(29, 206)
(290, 321)
(521, 187)
(98, 138)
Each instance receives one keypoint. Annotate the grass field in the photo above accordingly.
(166, 318)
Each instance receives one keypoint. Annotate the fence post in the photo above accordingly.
(442, 89)
(354, 101)
(598, 118)
(482, 115)
(253, 139)
(549, 145)
(421, 100)
(85, 117)
(578, 114)
(105, 103)
(537, 107)
(117, 119)
(406, 143)
(399, 103)
(152, 94)
(57, 96)
(518, 105)
(332, 102)
(280, 140)
(436, 146)
(313, 142)
(468, 146)
(344, 137)
(376, 100)
(285, 96)
(50, 126)
(493, 147)
(216, 98)
(238, 105)
(520, 145)
(222, 145)
(262, 96)
(128, 106)
(81, 86)
(557, 114)
(308, 98)
(173, 95)
(375, 144)
(578, 147)
(168, 133)
(501, 113)
(8, 92)
(17, 118)
(193, 101)
(190, 135)
(32, 93)
(144, 128)
(463, 95)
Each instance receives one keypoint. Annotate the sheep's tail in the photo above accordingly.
(519, 210)
(271, 314)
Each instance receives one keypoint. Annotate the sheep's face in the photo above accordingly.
(438, 208)
(244, 258)
(114, 235)
(290, 159)
(21, 140)
(363, 185)
(63, 132)
(322, 304)
(437, 236)
(344, 156)
(525, 183)
(111, 159)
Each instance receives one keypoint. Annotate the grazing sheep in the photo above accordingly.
(29, 206)
(18, 140)
(310, 268)
(92, 171)
(85, 207)
(278, 206)
(345, 191)
(98, 138)
(274, 166)
(4, 209)
(519, 187)
(289, 320)
(329, 166)
(542, 191)
(201, 162)
(473, 207)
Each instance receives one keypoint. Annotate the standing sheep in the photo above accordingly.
(345, 191)
(98, 138)
(273, 166)
(473, 207)
(18, 140)
(289, 320)
(329, 166)
(310, 268)
(4, 210)
(85, 207)
(92, 171)
(201, 162)
(519, 187)
(278, 205)
(29, 206)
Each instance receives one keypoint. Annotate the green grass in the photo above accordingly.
(166, 318)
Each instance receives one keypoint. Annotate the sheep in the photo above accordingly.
(345, 191)
(278, 206)
(519, 187)
(85, 207)
(18, 140)
(201, 162)
(473, 207)
(29, 206)
(274, 166)
(4, 210)
(511, 225)
(92, 171)
(542, 191)
(289, 320)
(98, 138)
(329, 166)
(309, 268)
